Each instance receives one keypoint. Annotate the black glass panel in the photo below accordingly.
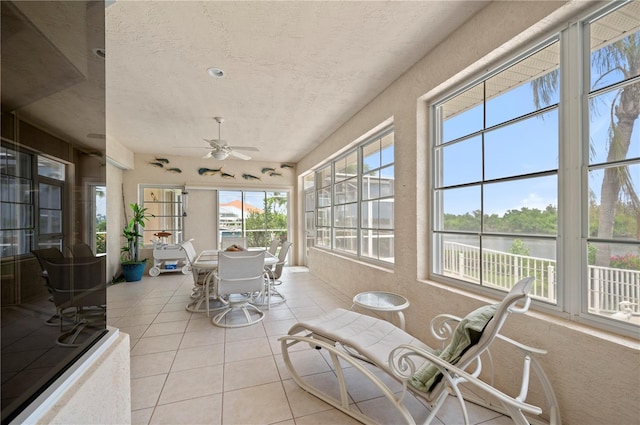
(52, 97)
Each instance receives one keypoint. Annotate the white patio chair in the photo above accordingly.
(239, 275)
(428, 374)
(273, 247)
(271, 295)
(275, 271)
(198, 304)
(78, 283)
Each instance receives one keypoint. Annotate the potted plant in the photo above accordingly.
(132, 266)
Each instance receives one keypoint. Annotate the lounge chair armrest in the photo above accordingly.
(403, 367)
(443, 325)
(525, 348)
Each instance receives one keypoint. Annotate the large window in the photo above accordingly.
(309, 215)
(345, 203)
(323, 207)
(51, 175)
(260, 216)
(496, 179)
(355, 200)
(513, 178)
(28, 221)
(165, 205)
(18, 223)
(613, 176)
(377, 216)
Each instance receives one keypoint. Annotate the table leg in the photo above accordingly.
(207, 284)
(401, 319)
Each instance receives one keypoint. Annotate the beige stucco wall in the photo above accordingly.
(99, 394)
(114, 219)
(595, 374)
(119, 158)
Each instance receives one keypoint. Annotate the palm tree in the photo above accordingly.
(622, 56)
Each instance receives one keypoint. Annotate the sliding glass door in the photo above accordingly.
(260, 216)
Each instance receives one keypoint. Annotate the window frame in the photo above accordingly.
(329, 169)
(267, 193)
(38, 239)
(573, 175)
(437, 186)
(177, 233)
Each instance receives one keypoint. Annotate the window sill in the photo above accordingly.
(551, 317)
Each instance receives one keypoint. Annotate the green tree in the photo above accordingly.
(263, 226)
(518, 247)
(101, 238)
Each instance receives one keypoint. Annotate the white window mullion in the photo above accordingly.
(571, 243)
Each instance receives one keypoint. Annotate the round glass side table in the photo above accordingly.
(386, 302)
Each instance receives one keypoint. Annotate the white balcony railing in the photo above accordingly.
(607, 286)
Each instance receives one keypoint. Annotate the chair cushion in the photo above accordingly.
(466, 334)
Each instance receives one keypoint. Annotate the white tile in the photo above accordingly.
(184, 370)
(175, 306)
(264, 404)
(333, 416)
(192, 383)
(147, 309)
(173, 316)
(157, 329)
(151, 364)
(249, 373)
(450, 412)
(306, 312)
(149, 300)
(200, 322)
(133, 320)
(212, 335)
(202, 410)
(247, 349)
(157, 344)
(302, 403)
(279, 327)
(246, 332)
(191, 358)
(308, 362)
(145, 391)
(141, 417)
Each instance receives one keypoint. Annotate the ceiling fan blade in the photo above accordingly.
(216, 143)
(208, 155)
(244, 148)
(240, 155)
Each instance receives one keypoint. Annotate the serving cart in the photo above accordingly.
(167, 258)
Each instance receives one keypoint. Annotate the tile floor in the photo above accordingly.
(184, 370)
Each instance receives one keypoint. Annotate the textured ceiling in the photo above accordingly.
(294, 71)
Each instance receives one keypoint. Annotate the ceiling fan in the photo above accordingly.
(220, 149)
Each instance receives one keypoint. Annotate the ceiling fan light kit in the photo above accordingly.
(220, 149)
(219, 155)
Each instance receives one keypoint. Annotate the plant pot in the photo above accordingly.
(132, 272)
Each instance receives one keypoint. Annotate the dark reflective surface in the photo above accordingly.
(53, 310)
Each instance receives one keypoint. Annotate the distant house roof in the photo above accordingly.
(235, 208)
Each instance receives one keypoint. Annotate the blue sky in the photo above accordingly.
(524, 147)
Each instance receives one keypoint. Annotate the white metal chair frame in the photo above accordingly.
(400, 355)
(199, 279)
(239, 276)
(273, 247)
(273, 279)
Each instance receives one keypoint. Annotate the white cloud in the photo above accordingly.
(534, 200)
